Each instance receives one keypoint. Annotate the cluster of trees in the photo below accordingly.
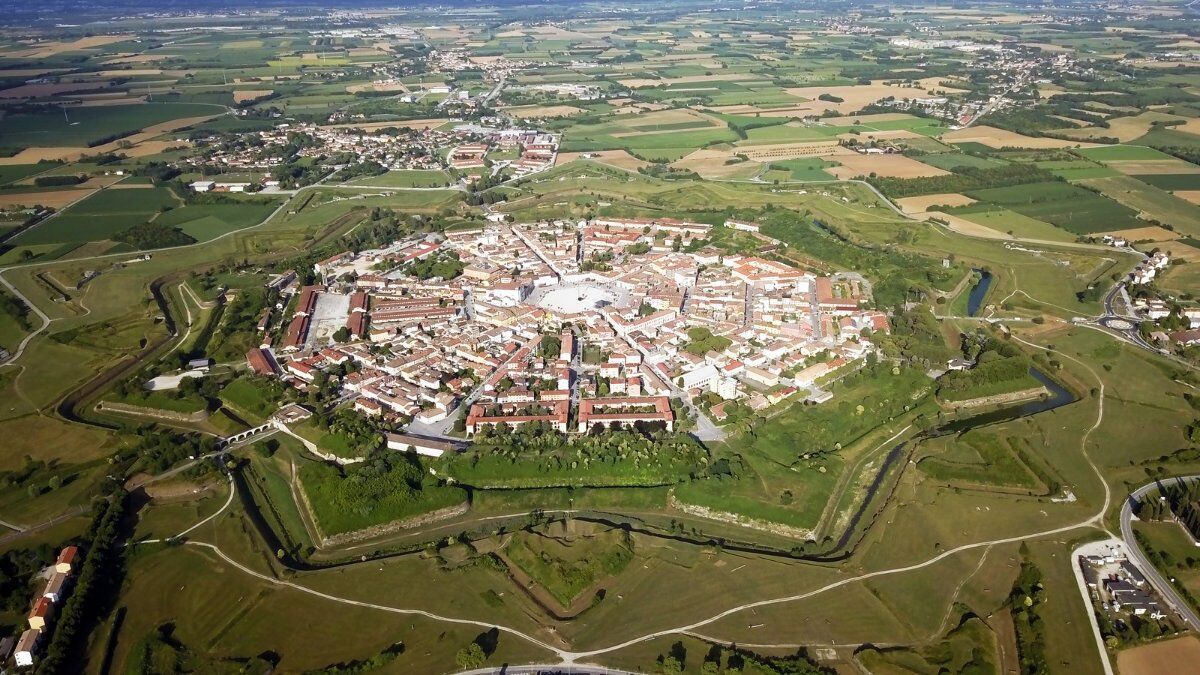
(481, 190)
(385, 480)
(993, 368)
(12, 306)
(17, 570)
(361, 169)
(158, 172)
(962, 179)
(916, 338)
(96, 585)
(702, 341)
(37, 476)
(153, 235)
(642, 454)
(1179, 500)
(158, 449)
(736, 660)
(1025, 601)
(443, 265)
(55, 181)
(384, 226)
(359, 432)
(550, 347)
(292, 175)
(666, 172)
(103, 140)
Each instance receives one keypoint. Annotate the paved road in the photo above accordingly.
(1164, 587)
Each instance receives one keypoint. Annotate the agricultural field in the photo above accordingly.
(1070, 208)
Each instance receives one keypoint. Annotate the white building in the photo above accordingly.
(700, 377)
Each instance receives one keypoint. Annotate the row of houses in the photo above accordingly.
(26, 647)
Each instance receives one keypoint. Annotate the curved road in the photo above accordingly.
(571, 658)
(1162, 585)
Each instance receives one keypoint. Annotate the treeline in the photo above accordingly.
(1184, 152)
(1025, 601)
(158, 450)
(916, 337)
(56, 181)
(963, 179)
(98, 581)
(111, 137)
(1182, 501)
(368, 665)
(1043, 118)
(14, 307)
(360, 170)
(742, 127)
(1136, 99)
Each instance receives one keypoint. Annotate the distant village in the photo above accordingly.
(464, 147)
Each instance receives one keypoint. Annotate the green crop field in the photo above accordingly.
(205, 221)
(951, 161)
(1173, 181)
(1152, 201)
(1072, 208)
(84, 125)
(15, 172)
(1121, 153)
(1009, 221)
(100, 216)
(805, 169)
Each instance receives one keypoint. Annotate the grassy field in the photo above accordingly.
(49, 128)
(1011, 222)
(206, 221)
(805, 169)
(566, 567)
(1175, 548)
(1122, 153)
(407, 179)
(951, 161)
(327, 493)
